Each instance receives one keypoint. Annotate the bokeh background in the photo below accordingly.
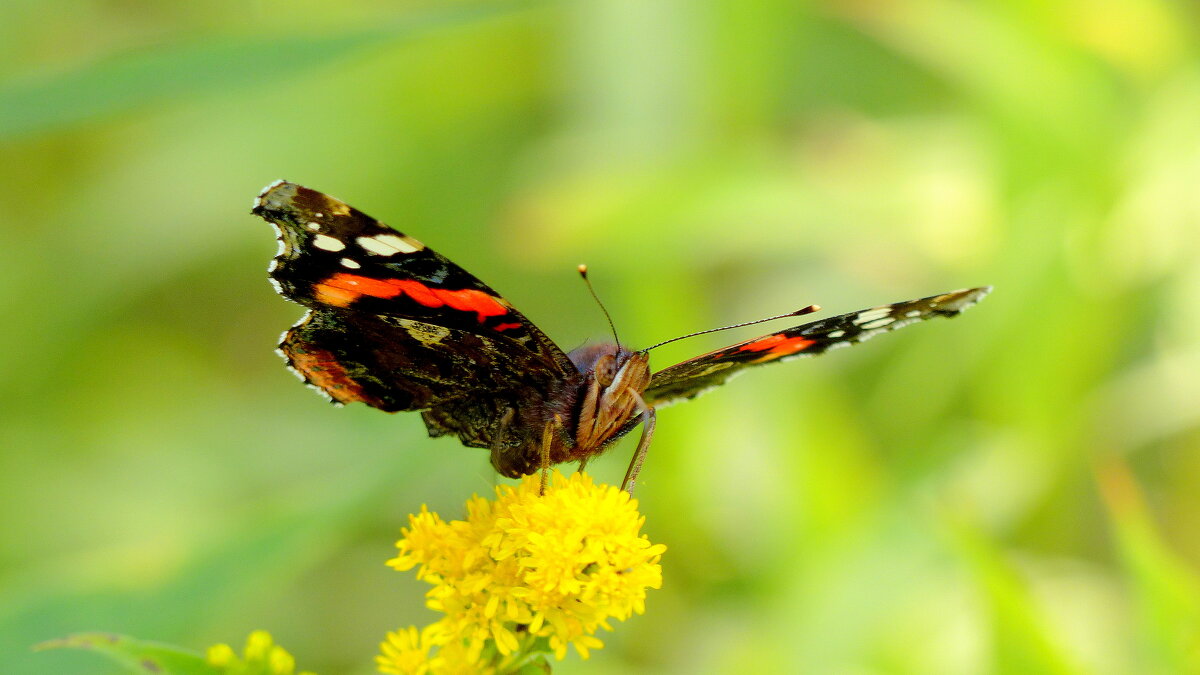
(1014, 491)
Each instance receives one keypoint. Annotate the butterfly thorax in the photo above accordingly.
(609, 395)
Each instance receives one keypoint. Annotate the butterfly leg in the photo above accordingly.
(547, 440)
(639, 456)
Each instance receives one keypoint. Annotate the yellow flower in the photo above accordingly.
(523, 568)
(262, 657)
(404, 652)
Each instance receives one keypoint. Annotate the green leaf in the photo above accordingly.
(135, 655)
(214, 64)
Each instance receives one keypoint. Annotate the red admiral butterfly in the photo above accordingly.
(397, 326)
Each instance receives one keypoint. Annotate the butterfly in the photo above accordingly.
(397, 326)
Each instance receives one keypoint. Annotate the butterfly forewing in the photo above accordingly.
(694, 376)
(335, 257)
(392, 323)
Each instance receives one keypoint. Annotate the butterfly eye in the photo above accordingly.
(606, 369)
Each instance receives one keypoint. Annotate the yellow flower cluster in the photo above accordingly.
(521, 574)
(262, 657)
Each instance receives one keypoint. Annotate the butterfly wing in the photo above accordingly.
(397, 364)
(392, 323)
(694, 376)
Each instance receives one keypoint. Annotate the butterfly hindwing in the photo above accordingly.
(398, 364)
(694, 376)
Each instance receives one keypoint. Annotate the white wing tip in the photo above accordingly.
(258, 201)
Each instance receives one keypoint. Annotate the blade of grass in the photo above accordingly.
(124, 82)
(1166, 592)
(1022, 640)
(136, 656)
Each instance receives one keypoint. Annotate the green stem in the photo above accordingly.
(518, 659)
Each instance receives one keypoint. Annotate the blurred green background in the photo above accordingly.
(1014, 491)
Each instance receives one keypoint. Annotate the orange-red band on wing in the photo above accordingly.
(321, 368)
(342, 289)
(777, 345)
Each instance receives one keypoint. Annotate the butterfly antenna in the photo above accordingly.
(800, 312)
(583, 271)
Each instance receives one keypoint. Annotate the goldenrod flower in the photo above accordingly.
(522, 568)
(404, 652)
(407, 652)
(262, 657)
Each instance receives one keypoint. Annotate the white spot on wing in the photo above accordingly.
(387, 244)
(346, 262)
(877, 323)
(328, 243)
(871, 315)
(871, 331)
(314, 226)
(836, 333)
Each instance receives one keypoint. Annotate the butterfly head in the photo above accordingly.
(609, 364)
(610, 393)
